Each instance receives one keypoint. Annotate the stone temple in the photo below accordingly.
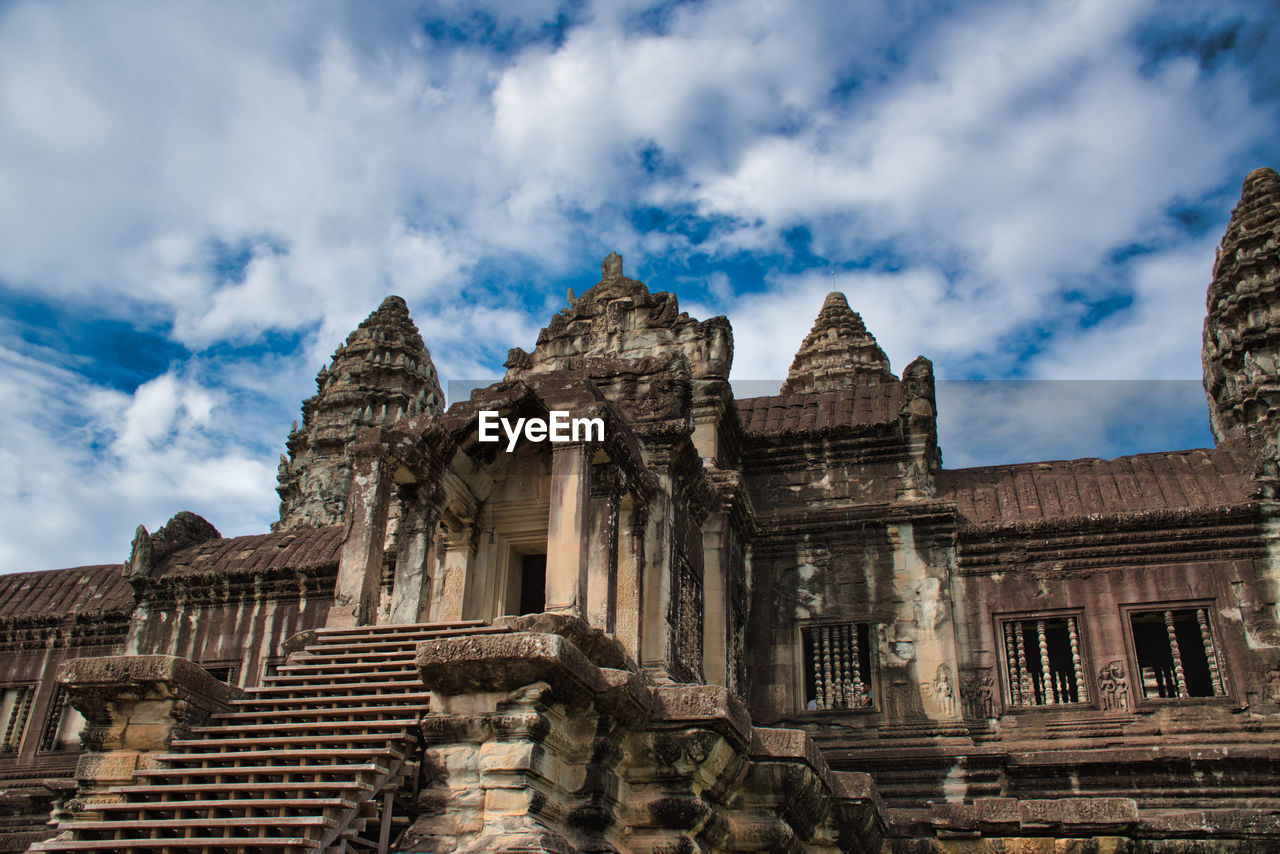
(773, 624)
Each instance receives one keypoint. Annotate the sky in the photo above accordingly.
(199, 200)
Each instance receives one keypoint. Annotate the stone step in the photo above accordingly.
(311, 689)
(274, 822)
(399, 629)
(221, 844)
(291, 724)
(284, 753)
(398, 665)
(321, 679)
(313, 747)
(226, 804)
(336, 770)
(217, 746)
(270, 717)
(210, 788)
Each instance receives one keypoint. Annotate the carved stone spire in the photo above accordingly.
(838, 350)
(1242, 329)
(381, 374)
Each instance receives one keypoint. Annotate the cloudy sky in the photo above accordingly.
(198, 202)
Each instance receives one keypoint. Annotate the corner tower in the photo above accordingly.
(1241, 352)
(381, 374)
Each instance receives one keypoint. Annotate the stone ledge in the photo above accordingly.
(476, 664)
(701, 705)
(179, 677)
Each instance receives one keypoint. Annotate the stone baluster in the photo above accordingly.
(828, 696)
(1050, 690)
(856, 656)
(816, 654)
(1028, 689)
(1073, 634)
(1211, 652)
(1011, 656)
(1179, 677)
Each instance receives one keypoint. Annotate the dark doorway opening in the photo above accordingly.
(533, 584)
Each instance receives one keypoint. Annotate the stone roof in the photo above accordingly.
(836, 352)
(303, 548)
(79, 590)
(859, 405)
(1030, 492)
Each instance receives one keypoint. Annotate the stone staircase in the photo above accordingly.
(308, 762)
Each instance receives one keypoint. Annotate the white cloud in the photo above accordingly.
(979, 166)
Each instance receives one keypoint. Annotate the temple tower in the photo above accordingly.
(1242, 330)
(836, 351)
(381, 374)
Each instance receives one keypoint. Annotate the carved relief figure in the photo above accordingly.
(1112, 687)
(943, 691)
(977, 693)
(1273, 684)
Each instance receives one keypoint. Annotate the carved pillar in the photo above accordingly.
(566, 529)
(355, 599)
(456, 538)
(602, 564)
(1179, 678)
(715, 604)
(411, 587)
(629, 592)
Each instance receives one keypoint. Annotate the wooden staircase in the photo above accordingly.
(305, 763)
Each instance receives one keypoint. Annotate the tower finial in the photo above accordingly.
(611, 269)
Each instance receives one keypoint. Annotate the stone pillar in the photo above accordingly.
(134, 706)
(602, 563)
(456, 541)
(629, 589)
(355, 599)
(566, 529)
(715, 606)
(655, 635)
(412, 584)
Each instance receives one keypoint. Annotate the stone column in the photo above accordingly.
(602, 564)
(629, 590)
(567, 529)
(355, 599)
(655, 636)
(715, 606)
(411, 586)
(456, 540)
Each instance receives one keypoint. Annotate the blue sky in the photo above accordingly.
(198, 201)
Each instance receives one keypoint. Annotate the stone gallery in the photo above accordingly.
(773, 624)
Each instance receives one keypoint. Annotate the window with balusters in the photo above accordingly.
(1176, 653)
(1044, 661)
(837, 666)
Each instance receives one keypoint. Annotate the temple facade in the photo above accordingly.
(699, 624)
